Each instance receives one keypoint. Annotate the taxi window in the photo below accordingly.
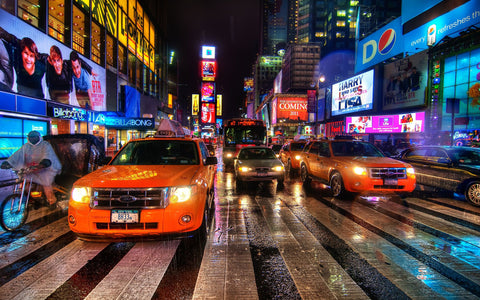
(417, 154)
(297, 146)
(343, 148)
(323, 149)
(158, 152)
(204, 151)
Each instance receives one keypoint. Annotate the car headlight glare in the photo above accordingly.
(244, 169)
(181, 194)
(411, 171)
(81, 194)
(297, 157)
(278, 168)
(360, 171)
(229, 155)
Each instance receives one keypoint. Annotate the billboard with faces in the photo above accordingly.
(38, 66)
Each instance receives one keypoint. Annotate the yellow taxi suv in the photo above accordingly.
(355, 167)
(152, 187)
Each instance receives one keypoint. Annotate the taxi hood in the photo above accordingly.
(139, 176)
(369, 161)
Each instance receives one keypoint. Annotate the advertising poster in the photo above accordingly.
(209, 70)
(405, 82)
(38, 66)
(292, 109)
(208, 113)
(208, 92)
(352, 95)
(409, 122)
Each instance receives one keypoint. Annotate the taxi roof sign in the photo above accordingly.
(169, 128)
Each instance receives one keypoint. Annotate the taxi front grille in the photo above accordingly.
(126, 226)
(388, 173)
(130, 198)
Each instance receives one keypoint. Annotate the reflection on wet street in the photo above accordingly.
(264, 242)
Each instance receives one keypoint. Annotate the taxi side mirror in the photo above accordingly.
(211, 160)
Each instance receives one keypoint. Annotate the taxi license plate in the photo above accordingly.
(390, 181)
(261, 174)
(124, 216)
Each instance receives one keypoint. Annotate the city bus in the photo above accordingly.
(238, 133)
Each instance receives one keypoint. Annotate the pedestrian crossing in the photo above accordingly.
(263, 244)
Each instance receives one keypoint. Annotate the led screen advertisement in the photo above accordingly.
(208, 52)
(354, 94)
(207, 115)
(56, 73)
(291, 109)
(209, 70)
(409, 122)
(208, 92)
(405, 82)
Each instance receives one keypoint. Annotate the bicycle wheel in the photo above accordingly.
(12, 215)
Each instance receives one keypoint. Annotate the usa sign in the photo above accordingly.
(379, 46)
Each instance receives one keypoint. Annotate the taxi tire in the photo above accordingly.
(336, 185)
(240, 184)
(304, 176)
(472, 193)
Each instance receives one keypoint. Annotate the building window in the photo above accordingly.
(131, 68)
(8, 5)
(139, 74)
(340, 23)
(32, 12)
(56, 20)
(111, 51)
(122, 59)
(98, 44)
(80, 31)
(341, 13)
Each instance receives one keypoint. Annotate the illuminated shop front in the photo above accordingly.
(85, 53)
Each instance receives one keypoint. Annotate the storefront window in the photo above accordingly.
(111, 51)
(122, 59)
(80, 31)
(56, 20)
(98, 45)
(32, 12)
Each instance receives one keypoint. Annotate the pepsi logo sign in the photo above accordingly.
(384, 46)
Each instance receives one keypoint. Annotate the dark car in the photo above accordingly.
(455, 169)
(276, 148)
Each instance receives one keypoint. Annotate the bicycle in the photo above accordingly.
(14, 209)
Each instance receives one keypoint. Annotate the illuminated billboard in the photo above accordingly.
(291, 109)
(219, 105)
(208, 52)
(409, 122)
(208, 92)
(207, 115)
(354, 94)
(248, 84)
(209, 70)
(55, 81)
(195, 104)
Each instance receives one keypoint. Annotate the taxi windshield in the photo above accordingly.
(158, 152)
(353, 148)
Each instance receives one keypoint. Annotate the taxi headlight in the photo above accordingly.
(297, 157)
(182, 193)
(244, 169)
(278, 168)
(81, 194)
(360, 171)
(229, 155)
(410, 171)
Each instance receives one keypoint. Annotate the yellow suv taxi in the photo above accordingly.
(290, 155)
(354, 166)
(152, 186)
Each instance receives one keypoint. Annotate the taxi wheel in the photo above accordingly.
(240, 184)
(304, 175)
(336, 185)
(472, 193)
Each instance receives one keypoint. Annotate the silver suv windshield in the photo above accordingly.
(158, 152)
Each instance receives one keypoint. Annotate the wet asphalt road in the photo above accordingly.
(264, 243)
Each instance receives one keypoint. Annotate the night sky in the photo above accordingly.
(233, 27)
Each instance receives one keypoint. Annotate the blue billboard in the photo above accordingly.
(379, 46)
